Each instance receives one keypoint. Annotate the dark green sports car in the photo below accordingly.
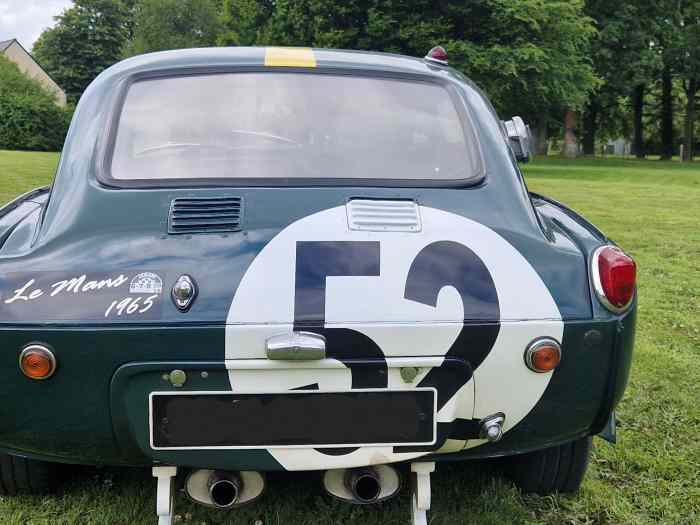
(257, 259)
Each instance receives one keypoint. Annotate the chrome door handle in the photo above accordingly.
(297, 346)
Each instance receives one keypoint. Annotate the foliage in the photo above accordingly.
(686, 46)
(530, 56)
(624, 58)
(623, 50)
(683, 58)
(241, 21)
(86, 39)
(173, 24)
(31, 120)
(536, 58)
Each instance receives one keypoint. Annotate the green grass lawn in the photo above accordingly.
(21, 171)
(650, 208)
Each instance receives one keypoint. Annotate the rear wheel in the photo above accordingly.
(26, 476)
(555, 469)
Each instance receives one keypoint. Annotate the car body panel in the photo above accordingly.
(384, 300)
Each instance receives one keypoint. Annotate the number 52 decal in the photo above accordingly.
(439, 264)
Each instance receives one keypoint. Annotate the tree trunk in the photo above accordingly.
(638, 108)
(689, 124)
(590, 127)
(540, 135)
(667, 145)
(570, 150)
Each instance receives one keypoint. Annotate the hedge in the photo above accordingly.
(29, 117)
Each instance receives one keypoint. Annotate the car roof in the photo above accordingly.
(273, 56)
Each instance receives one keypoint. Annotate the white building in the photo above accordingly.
(14, 51)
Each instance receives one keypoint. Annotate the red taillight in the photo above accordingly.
(437, 54)
(614, 277)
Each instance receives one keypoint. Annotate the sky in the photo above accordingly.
(26, 19)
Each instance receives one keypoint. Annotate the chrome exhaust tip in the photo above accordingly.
(364, 485)
(224, 488)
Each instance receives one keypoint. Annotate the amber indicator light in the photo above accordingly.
(543, 355)
(37, 362)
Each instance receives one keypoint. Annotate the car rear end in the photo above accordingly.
(303, 260)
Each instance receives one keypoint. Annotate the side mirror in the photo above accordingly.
(519, 138)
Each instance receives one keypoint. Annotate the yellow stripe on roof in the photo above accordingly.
(290, 57)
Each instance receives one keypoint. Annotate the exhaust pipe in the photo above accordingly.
(363, 485)
(224, 488)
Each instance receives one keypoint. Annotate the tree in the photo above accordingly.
(638, 110)
(319, 23)
(667, 44)
(625, 59)
(688, 66)
(531, 56)
(86, 39)
(241, 20)
(173, 24)
(676, 44)
(130, 7)
(31, 120)
(666, 114)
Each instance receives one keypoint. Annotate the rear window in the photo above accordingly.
(291, 126)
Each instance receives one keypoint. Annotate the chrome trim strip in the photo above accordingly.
(262, 364)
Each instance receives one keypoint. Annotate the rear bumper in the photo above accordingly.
(93, 410)
(583, 393)
(133, 383)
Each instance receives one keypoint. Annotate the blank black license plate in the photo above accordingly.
(293, 419)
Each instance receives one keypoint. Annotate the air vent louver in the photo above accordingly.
(205, 215)
(383, 215)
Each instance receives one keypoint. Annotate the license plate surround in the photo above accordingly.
(425, 397)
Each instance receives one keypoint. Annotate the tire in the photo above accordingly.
(20, 475)
(551, 470)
